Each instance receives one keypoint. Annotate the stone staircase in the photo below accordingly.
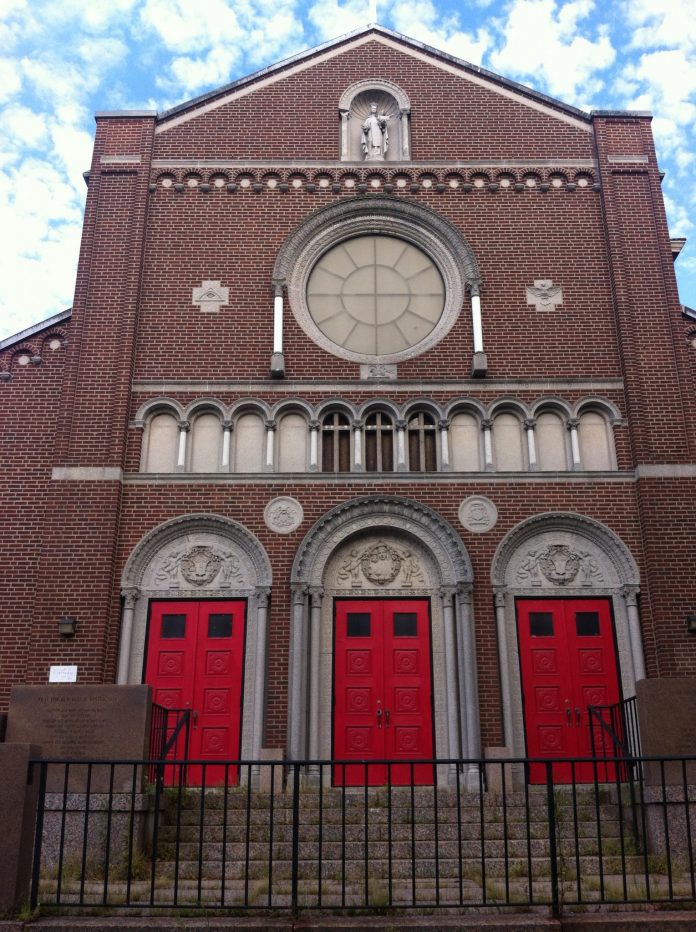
(425, 849)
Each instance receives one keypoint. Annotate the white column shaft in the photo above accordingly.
(181, 456)
(531, 448)
(575, 447)
(477, 323)
(278, 323)
(357, 449)
(444, 448)
(487, 448)
(313, 449)
(400, 448)
(471, 705)
(226, 439)
(269, 448)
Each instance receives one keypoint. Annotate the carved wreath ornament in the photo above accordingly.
(380, 564)
(199, 566)
(560, 565)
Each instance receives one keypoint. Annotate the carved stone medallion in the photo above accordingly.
(478, 514)
(380, 564)
(283, 514)
(200, 565)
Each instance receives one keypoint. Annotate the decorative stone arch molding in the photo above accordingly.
(427, 559)
(440, 240)
(353, 108)
(195, 557)
(562, 554)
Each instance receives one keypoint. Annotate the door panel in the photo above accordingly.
(382, 690)
(568, 661)
(195, 660)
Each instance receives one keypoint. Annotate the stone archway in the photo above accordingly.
(197, 557)
(427, 558)
(594, 563)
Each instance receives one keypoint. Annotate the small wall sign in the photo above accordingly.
(63, 674)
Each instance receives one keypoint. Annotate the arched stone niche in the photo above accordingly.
(197, 557)
(391, 105)
(557, 555)
(372, 548)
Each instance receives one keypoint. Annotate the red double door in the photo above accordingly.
(568, 662)
(382, 691)
(195, 660)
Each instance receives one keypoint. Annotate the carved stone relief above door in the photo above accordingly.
(380, 562)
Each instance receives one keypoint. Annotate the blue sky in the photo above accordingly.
(60, 60)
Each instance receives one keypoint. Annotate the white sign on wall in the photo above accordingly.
(63, 674)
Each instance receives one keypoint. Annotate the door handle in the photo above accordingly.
(386, 717)
(578, 716)
(568, 715)
(379, 717)
(194, 716)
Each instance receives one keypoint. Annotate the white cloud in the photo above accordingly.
(191, 25)
(21, 126)
(661, 22)
(422, 21)
(332, 18)
(10, 81)
(544, 39)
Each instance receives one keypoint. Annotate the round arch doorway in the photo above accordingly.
(382, 588)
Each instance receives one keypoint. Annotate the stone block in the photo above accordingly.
(271, 774)
(17, 814)
(667, 720)
(84, 723)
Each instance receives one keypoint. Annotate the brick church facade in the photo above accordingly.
(371, 431)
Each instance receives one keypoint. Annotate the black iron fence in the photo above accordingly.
(260, 835)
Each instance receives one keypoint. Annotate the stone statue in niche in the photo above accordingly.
(375, 135)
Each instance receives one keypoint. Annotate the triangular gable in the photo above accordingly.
(418, 50)
(31, 331)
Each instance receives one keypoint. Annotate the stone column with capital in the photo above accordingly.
(443, 427)
(262, 595)
(572, 425)
(130, 597)
(357, 427)
(486, 427)
(316, 594)
(630, 595)
(184, 428)
(296, 674)
(503, 659)
(470, 705)
(227, 428)
(529, 425)
(447, 596)
(271, 424)
(314, 428)
(400, 426)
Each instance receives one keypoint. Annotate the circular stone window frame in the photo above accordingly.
(328, 227)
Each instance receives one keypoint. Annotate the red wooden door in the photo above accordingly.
(382, 690)
(568, 661)
(195, 661)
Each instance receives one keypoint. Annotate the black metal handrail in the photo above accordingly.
(445, 833)
(166, 725)
(617, 724)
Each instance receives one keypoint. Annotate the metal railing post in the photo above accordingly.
(295, 835)
(38, 835)
(553, 853)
